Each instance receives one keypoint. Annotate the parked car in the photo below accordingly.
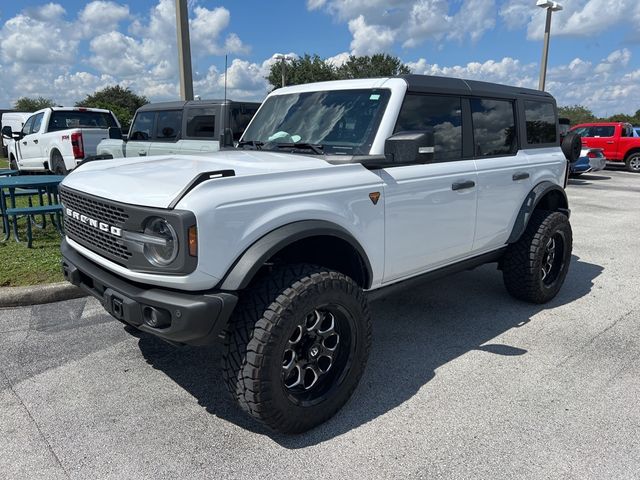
(590, 160)
(616, 139)
(57, 139)
(187, 128)
(338, 191)
(15, 120)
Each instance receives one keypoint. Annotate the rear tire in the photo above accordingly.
(297, 346)
(632, 162)
(534, 267)
(57, 164)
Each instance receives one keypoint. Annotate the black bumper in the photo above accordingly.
(195, 318)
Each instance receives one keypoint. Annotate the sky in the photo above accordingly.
(67, 49)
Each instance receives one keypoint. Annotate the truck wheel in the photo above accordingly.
(297, 346)
(57, 164)
(534, 267)
(633, 162)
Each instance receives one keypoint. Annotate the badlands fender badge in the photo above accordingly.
(374, 197)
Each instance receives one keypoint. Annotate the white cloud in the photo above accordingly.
(369, 39)
(101, 16)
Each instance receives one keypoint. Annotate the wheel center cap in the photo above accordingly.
(313, 351)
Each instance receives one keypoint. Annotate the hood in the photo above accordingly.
(157, 181)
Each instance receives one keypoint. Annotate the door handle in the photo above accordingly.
(463, 185)
(610, 142)
(520, 176)
(142, 153)
(35, 141)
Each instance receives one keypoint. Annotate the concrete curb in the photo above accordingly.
(37, 294)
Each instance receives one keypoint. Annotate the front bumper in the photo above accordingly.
(194, 318)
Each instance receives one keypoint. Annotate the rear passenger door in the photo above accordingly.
(201, 134)
(430, 209)
(167, 132)
(504, 176)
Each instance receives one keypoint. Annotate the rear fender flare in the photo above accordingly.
(533, 199)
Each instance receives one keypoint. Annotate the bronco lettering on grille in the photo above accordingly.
(92, 222)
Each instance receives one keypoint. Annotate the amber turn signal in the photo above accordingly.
(193, 241)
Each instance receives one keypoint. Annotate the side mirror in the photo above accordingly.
(115, 133)
(7, 132)
(405, 148)
(226, 139)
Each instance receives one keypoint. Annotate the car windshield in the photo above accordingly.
(331, 122)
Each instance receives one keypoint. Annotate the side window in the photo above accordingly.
(168, 125)
(582, 131)
(240, 118)
(442, 113)
(541, 122)
(26, 128)
(494, 127)
(37, 122)
(201, 122)
(602, 131)
(142, 125)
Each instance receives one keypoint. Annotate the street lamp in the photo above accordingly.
(551, 7)
(283, 59)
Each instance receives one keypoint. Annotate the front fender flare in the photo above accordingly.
(244, 269)
(530, 203)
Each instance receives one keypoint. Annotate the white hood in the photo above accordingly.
(157, 181)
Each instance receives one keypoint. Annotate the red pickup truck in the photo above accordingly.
(616, 139)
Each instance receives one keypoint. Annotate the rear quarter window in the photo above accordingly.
(540, 120)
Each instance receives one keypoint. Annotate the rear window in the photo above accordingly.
(62, 120)
(541, 122)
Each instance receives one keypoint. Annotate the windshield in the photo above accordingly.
(339, 121)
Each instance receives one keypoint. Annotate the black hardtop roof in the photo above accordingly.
(459, 86)
(191, 103)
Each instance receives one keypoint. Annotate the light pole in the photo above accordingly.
(551, 7)
(283, 59)
(184, 50)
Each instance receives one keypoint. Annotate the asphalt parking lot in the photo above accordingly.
(463, 382)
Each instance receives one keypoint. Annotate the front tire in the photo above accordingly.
(633, 162)
(534, 267)
(297, 346)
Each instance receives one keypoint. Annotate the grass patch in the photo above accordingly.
(31, 266)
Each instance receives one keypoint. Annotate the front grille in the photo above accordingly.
(91, 237)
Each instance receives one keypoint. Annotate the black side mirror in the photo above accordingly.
(115, 133)
(226, 139)
(406, 148)
(7, 132)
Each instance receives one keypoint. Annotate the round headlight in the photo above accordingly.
(165, 250)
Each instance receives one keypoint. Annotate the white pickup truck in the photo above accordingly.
(57, 139)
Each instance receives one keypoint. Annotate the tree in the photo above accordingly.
(378, 65)
(576, 114)
(306, 69)
(26, 104)
(312, 68)
(121, 101)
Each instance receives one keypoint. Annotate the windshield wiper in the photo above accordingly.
(255, 144)
(314, 147)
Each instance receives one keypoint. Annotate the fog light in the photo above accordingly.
(156, 317)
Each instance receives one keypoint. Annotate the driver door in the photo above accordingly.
(24, 146)
(140, 137)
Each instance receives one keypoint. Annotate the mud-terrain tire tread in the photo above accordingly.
(258, 316)
(521, 262)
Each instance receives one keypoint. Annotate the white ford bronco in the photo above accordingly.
(337, 191)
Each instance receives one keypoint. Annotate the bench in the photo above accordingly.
(30, 212)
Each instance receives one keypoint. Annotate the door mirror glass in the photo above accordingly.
(405, 148)
(7, 132)
(115, 133)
